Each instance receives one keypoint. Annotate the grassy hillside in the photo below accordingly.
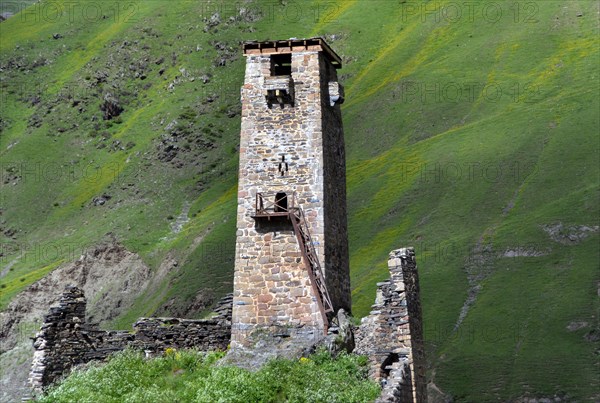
(471, 135)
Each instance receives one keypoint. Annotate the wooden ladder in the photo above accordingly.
(311, 260)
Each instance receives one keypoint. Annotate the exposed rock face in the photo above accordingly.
(569, 235)
(109, 274)
(66, 339)
(392, 335)
(273, 342)
(290, 342)
(111, 107)
(340, 336)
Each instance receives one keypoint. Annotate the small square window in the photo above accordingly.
(281, 65)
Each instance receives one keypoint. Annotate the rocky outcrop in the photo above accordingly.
(569, 235)
(110, 275)
(340, 335)
(111, 107)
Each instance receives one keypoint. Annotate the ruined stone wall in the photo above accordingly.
(397, 386)
(404, 269)
(392, 334)
(158, 334)
(271, 285)
(66, 339)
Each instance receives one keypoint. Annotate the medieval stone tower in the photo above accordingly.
(291, 267)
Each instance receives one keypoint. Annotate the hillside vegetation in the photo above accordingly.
(188, 376)
(471, 133)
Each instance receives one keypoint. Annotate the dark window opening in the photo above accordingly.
(385, 366)
(283, 166)
(281, 65)
(281, 202)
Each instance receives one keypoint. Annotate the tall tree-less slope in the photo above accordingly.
(471, 133)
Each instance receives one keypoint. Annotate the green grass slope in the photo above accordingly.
(471, 131)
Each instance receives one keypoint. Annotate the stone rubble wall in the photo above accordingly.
(398, 385)
(66, 339)
(392, 335)
(158, 334)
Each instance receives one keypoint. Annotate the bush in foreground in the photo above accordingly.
(191, 376)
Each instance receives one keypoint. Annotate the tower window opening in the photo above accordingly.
(283, 166)
(281, 65)
(281, 202)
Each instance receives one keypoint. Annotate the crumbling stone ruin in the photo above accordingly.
(291, 280)
(392, 335)
(66, 339)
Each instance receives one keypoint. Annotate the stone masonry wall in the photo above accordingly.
(66, 339)
(397, 387)
(271, 283)
(392, 334)
(337, 266)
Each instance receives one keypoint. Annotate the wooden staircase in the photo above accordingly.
(286, 208)
(311, 260)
